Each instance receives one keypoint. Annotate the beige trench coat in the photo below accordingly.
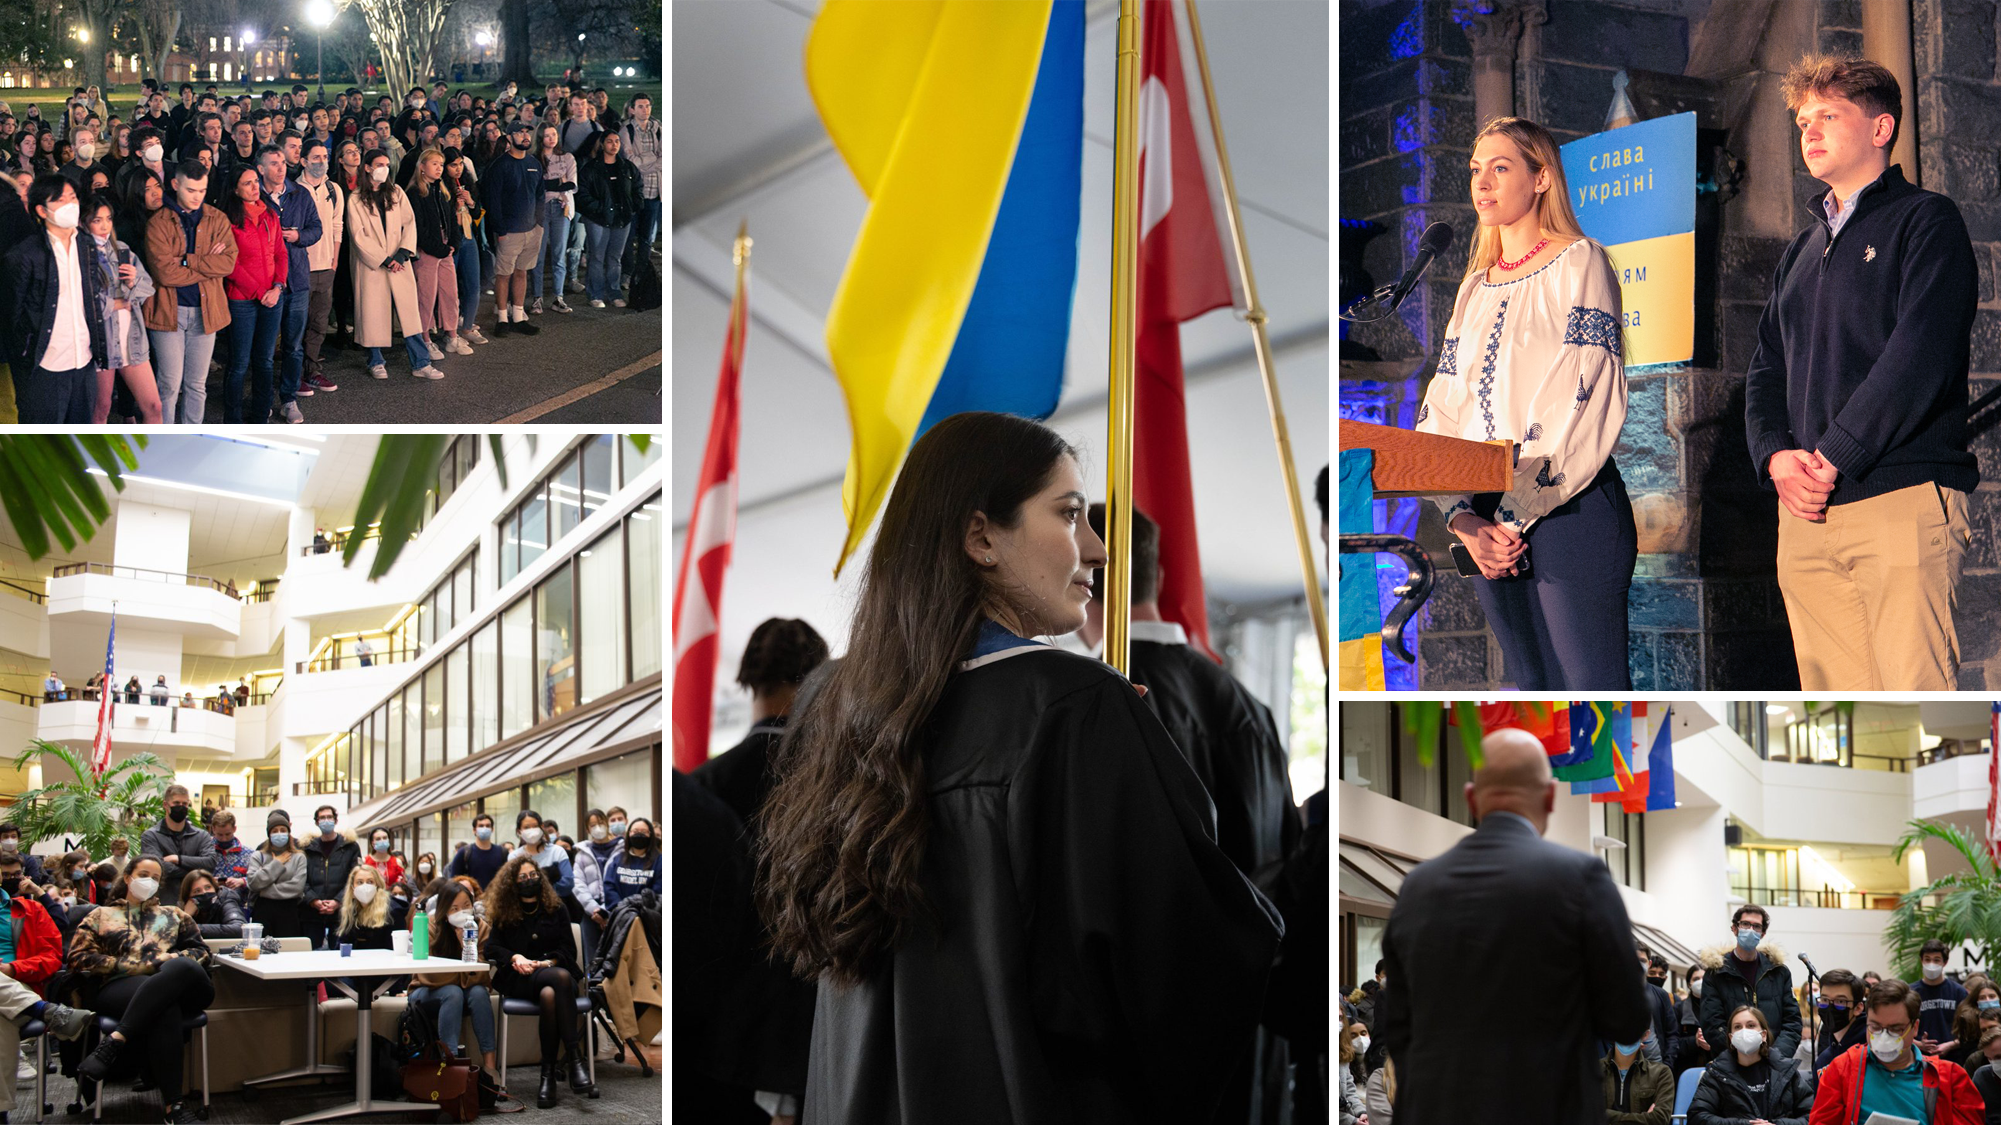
(377, 291)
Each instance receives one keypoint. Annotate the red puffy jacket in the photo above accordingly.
(261, 262)
(1950, 1098)
(38, 945)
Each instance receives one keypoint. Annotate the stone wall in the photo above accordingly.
(1705, 609)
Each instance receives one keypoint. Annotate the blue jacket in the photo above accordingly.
(510, 189)
(28, 295)
(628, 876)
(297, 211)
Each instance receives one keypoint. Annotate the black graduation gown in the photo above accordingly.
(1091, 955)
(713, 921)
(763, 1032)
(1230, 740)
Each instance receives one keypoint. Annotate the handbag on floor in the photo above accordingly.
(439, 1079)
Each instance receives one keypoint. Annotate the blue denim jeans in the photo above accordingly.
(452, 1003)
(555, 234)
(292, 308)
(420, 356)
(468, 275)
(606, 246)
(180, 368)
(253, 342)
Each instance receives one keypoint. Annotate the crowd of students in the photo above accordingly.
(124, 934)
(1834, 1050)
(225, 700)
(263, 234)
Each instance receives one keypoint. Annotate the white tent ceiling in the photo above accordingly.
(748, 145)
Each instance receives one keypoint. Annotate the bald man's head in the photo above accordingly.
(1513, 778)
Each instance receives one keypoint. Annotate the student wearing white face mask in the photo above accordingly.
(1889, 1075)
(147, 965)
(453, 995)
(53, 342)
(589, 863)
(1751, 1081)
(364, 910)
(548, 855)
(384, 251)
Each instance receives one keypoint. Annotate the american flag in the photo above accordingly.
(100, 748)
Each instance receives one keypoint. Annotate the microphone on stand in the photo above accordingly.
(1385, 300)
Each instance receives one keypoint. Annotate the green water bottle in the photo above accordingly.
(420, 941)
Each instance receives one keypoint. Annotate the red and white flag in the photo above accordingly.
(1183, 273)
(100, 747)
(1994, 780)
(706, 555)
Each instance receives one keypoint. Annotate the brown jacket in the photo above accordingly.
(452, 950)
(214, 259)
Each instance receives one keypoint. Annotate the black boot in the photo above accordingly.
(580, 1072)
(545, 1094)
(99, 1062)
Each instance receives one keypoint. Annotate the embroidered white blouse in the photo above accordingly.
(1538, 361)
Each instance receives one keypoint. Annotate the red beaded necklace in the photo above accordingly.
(1517, 263)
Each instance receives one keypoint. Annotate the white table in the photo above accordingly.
(329, 966)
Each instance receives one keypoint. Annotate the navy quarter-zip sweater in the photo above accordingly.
(1864, 347)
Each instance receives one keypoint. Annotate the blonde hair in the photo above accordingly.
(352, 913)
(417, 183)
(1552, 206)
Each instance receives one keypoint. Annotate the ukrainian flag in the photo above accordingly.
(963, 121)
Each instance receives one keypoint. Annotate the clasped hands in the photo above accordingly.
(1805, 480)
(1495, 548)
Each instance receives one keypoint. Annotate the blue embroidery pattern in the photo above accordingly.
(1487, 368)
(1542, 478)
(1423, 411)
(1506, 516)
(1448, 358)
(1455, 509)
(1592, 327)
(1534, 434)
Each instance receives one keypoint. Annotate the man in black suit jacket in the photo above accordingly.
(1500, 916)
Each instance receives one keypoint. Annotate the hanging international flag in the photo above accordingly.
(706, 554)
(1612, 729)
(1359, 634)
(1994, 780)
(100, 747)
(964, 126)
(1581, 722)
(1660, 765)
(1630, 771)
(1183, 273)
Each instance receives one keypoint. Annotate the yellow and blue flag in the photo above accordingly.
(963, 121)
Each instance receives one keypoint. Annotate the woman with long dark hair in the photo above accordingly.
(534, 958)
(254, 288)
(1534, 354)
(346, 177)
(987, 849)
(384, 230)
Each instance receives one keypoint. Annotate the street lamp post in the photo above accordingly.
(243, 48)
(320, 13)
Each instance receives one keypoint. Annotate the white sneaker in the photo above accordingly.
(378, 370)
(536, 308)
(596, 304)
(457, 346)
(26, 1071)
(472, 335)
(560, 305)
(428, 372)
(432, 345)
(618, 302)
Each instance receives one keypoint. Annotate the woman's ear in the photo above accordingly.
(979, 545)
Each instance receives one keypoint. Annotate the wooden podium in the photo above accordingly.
(1409, 463)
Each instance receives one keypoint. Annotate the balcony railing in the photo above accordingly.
(142, 574)
(144, 697)
(337, 541)
(21, 697)
(1824, 899)
(318, 788)
(1950, 748)
(15, 589)
(264, 591)
(334, 659)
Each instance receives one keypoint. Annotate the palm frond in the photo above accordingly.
(1964, 906)
(47, 489)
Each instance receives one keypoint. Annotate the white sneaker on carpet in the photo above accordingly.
(378, 370)
(428, 372)
(432, 345)
(560, 305)
(456, 346)
(536, 308)
(472, 335)
(618, 302)
(596, 304)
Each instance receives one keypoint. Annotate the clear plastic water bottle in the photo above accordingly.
(469, 943)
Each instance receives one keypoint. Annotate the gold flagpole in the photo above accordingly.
(1125, 292)
(1316, 603)
(740, 253)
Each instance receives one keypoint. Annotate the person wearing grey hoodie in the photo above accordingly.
(277, 879)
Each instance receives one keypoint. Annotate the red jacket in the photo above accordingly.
(38, 945)
(1950, 1098)
(261, 261)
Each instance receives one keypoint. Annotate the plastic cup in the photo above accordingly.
(400, 942)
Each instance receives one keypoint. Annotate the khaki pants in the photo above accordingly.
(1870, 592)
(15, 1000)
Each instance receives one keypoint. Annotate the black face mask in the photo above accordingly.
(203, 902)
(638, 843)
(12, 885)
(177, 812)
(529, 888)
(1836, 1016)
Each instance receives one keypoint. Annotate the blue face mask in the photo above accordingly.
(1989, 1005)
(1628, 1048)
(381, 845)
(280, 839)
(484, 832)
(1747, 939)
(326, 826)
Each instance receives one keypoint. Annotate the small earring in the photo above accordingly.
(990, 560)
